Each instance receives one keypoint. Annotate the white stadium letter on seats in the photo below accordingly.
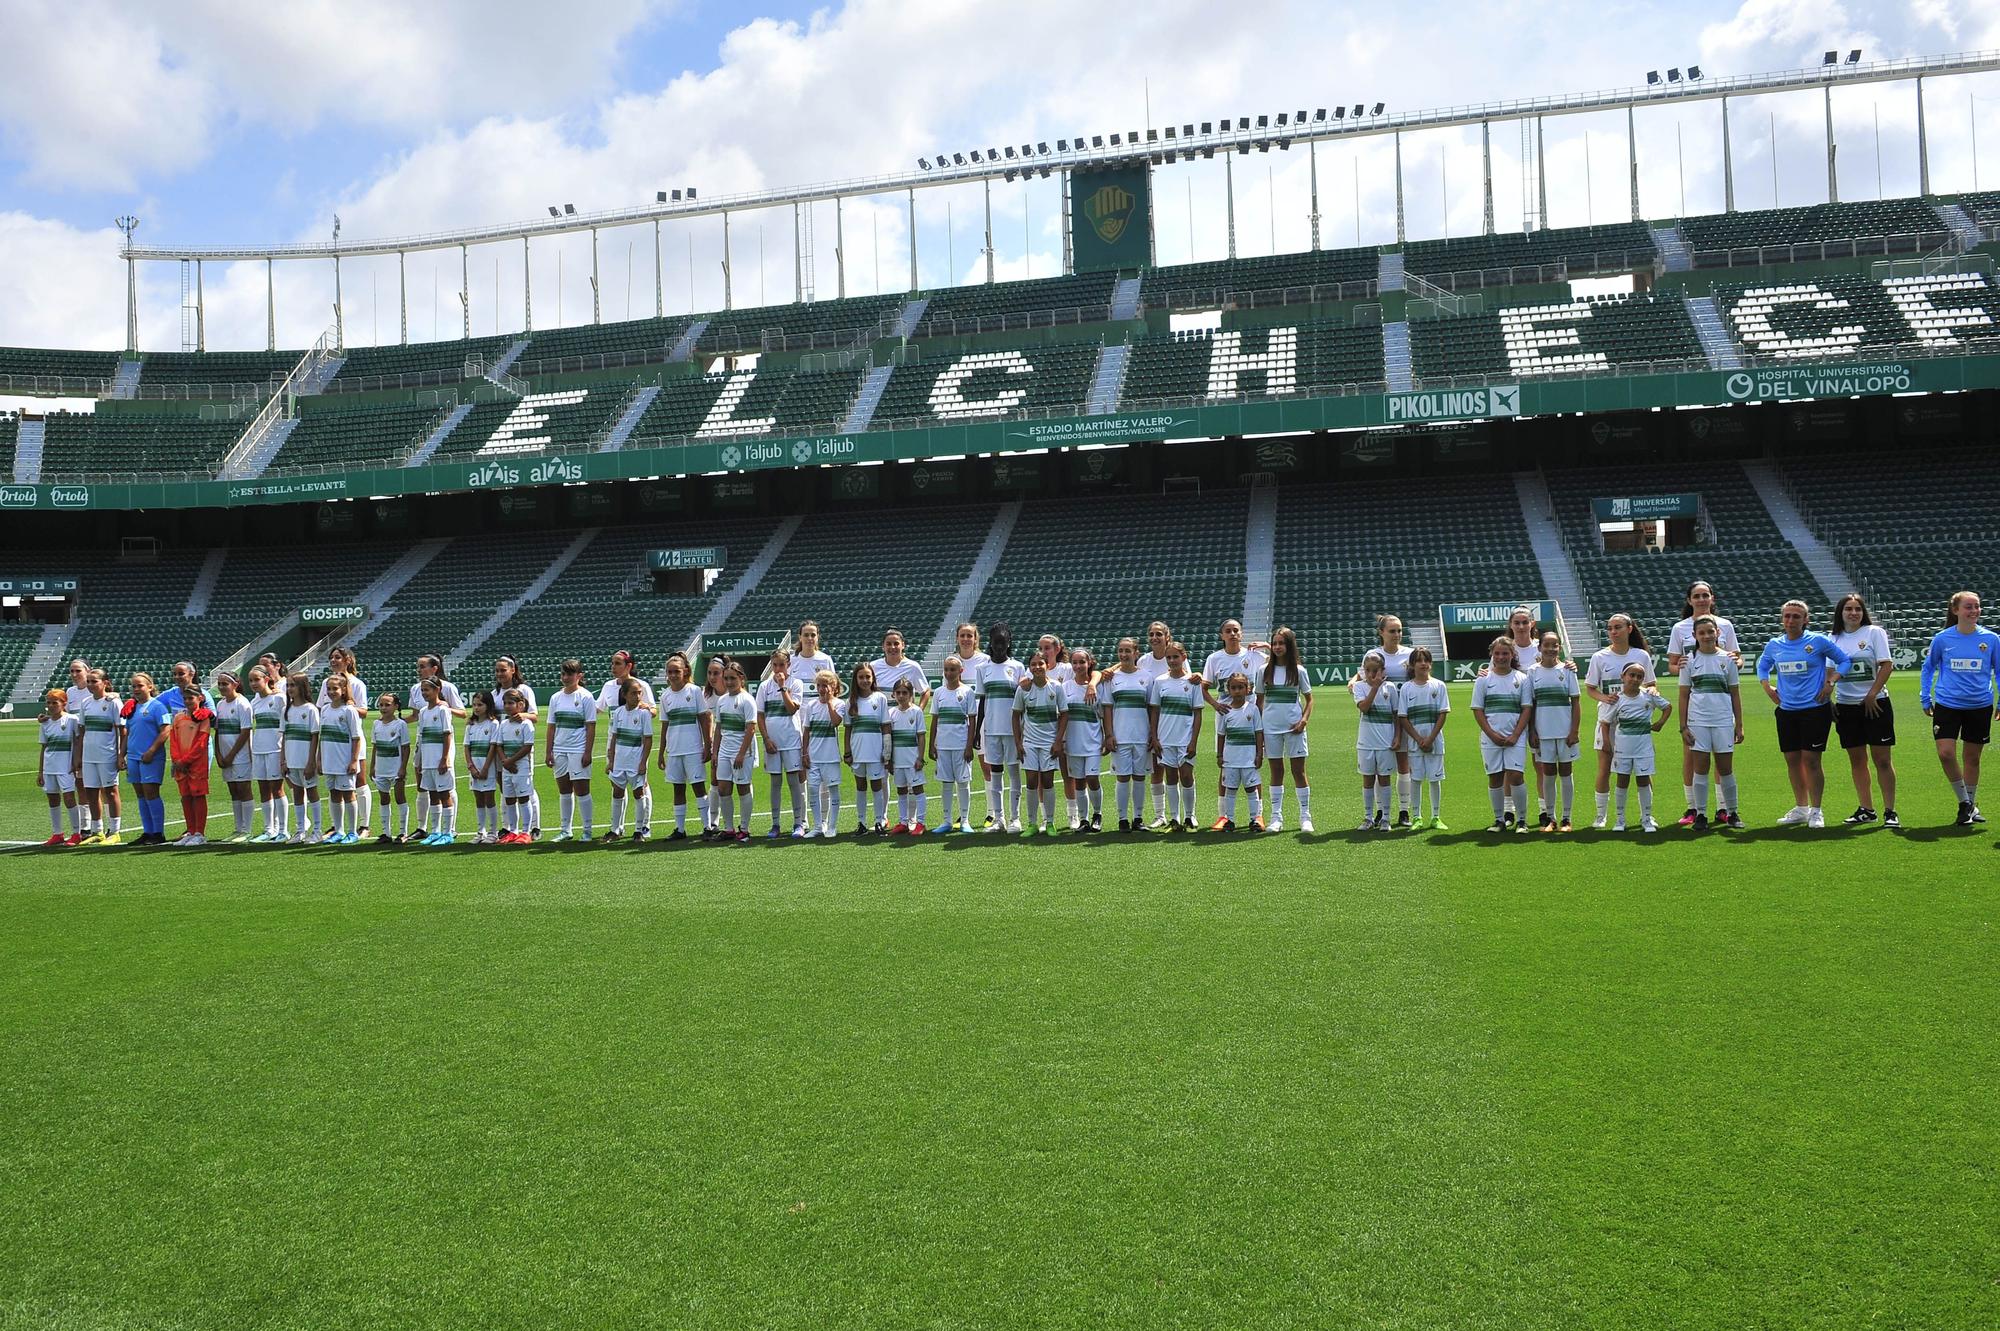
(722, 418)
(1536, 336)
(1928, 323)
(531, 413)
(1752, 317)
(949, 400)
(1228, 362)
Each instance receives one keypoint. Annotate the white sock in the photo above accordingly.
(55, 818)
(1277, 802)
(617, 811)
(1229, 803)
(832, 804)
(350, 817)
(535, 811)
(923, 804)
(1404, 795)
(1013, 792)
(314, 808)
(1568, 793)
(1256, 802)
(881, 801)
(642, 813)
(1368, 803)
(1187, 800)
(1437, 798)
(1174, 801)
(681, 816)
(583, 811)
(364, 804)
(1603, 800)
(1304, 795)
(1159, 789)
(1727, 799)
(1622, 792)
(1498, 796)
(1698, 793)
(994, 782)
(1689, 790)
(1645, 801)
(567, 803)
(965, 801)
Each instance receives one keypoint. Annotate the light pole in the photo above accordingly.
(129, 223)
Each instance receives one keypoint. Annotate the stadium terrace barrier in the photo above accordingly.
(1019, 321)
(1820, 251)
(49, 385)
(1608, 263)
(1876, 374)
(1261, 298)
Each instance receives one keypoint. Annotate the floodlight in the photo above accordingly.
(1830, 58)
(1263, 147)
(570, 208)
(1673, 76)
(992, 155)
(1153, 135)
(1010, 173)
(1243, 122)
(1010, 150)
(660, 197)
(1854, 56)
(1208, 153)
(1281, 117)
(958, 158)
(1097, 140)
(1359, 107)
(1041, 146)
(1187, 131)
(1340, 113)
(924, 163)
(1027, 150)
(1320, 114)
(554, 211)
(1378, 109)
(1694, 71)
(1207, 127)
(1263, 122)
(1652, 77)
(1170, 131)
(1298, 117)
(1114, 140)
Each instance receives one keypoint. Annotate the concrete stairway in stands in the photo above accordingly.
(684, 347)
(1396, 356)
(628, 419)
(945, 641)
(1715, 343)
(1125, 298)
(1389, 272)
(251, 464)
(204, 583)
(866, 399)
(1673, 248)
(1260, 553)
(1107, 381)
(1960, 223)
(1834, 581)
(41, 666)
(439, 433)
(125, 382)
(1559, 580)
(28, 441)
(910, 316)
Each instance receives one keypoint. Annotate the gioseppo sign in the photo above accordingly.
(29, 496)
(1823, 381)
(332, 614)
(1447, 404)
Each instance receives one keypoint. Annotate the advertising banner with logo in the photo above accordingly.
(941, 480)
(1646, 508)
(56, 586)
(1111, 218)
(743, 640)
(1458, 616)
(329, 615)
(699, 556)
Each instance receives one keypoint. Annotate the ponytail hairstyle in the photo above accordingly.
(687, 668)
(513, 670)
(1285, 652)
(1634, 635)
(625, 658)
(1383, 621)
(1951, 607)
(437, 666)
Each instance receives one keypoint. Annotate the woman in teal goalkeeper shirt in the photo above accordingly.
(1798, 670)
(1960, 678)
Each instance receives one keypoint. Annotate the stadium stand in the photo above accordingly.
(372, 434)
(988, 383)
(1754, 569)
(1335, 571)
(1210, 363)
(38, 362)
(17, 643)
(1892, 226)
(1077, 298)
(122, 444)
(1983, 207)
(821, 324)
(10, 428)
(1830, 316)
(1236, 281)
(1867, 510)
(455, 593)
(427, 362)
(635, 341)
(853, 572)
(1459, 261)
(557, 421)
(257, 368)
(603, 602)
(1176, 557)
(1575, 337)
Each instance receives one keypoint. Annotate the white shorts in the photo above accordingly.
(1512, 758)
(1001, 751)
(1557, 750)
(1038, 758)
(953, 766)
(386, 782)
(100, 774)
(1713, 739)
(1237, 778)
(908, 775)
(296, 779)
(266, 766)
(482, 785)
(59, 783)
(339, 781)
(438, 782)
(686, 769)
(1173, 757)
(782, 760)
(625, 777)
(1131, 760)
(572, 763)
(1600, 735)
(1633, 764)
(1087, 764)
(1284, 744)
(733, 774)
(518, 785)
(1427, 766)
(867, 771)
(1374, 762)
(237, 772)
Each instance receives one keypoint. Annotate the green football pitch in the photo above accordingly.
(1407, 1080)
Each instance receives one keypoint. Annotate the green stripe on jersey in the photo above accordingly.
(1423, 714)
(1173, 705)
(570, 720)
(682, 716)
(1000, 687)
(1129, 700)
(1282, 694)
(1497, 704)
(1380, 715)
(299, 732)
(951, 716)
(478, 748)
(1042, 714)
(823, 730)
(388, 748)
(99, 724)
(905, 739)
(627, 734)
(731, 722)
(1711, 683)
(269, 721)
(333, 735)
(1629, 725)
(228, 727)
(433, 735)
(1552, 697)
(59, 744)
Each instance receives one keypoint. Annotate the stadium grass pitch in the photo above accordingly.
(1405, 1080)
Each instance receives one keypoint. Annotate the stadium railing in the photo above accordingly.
(49, 385)
(1820, 251)
(1261, 298)
(1020, 320)
(1603, 263)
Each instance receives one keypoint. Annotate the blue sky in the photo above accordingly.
(251, 123)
